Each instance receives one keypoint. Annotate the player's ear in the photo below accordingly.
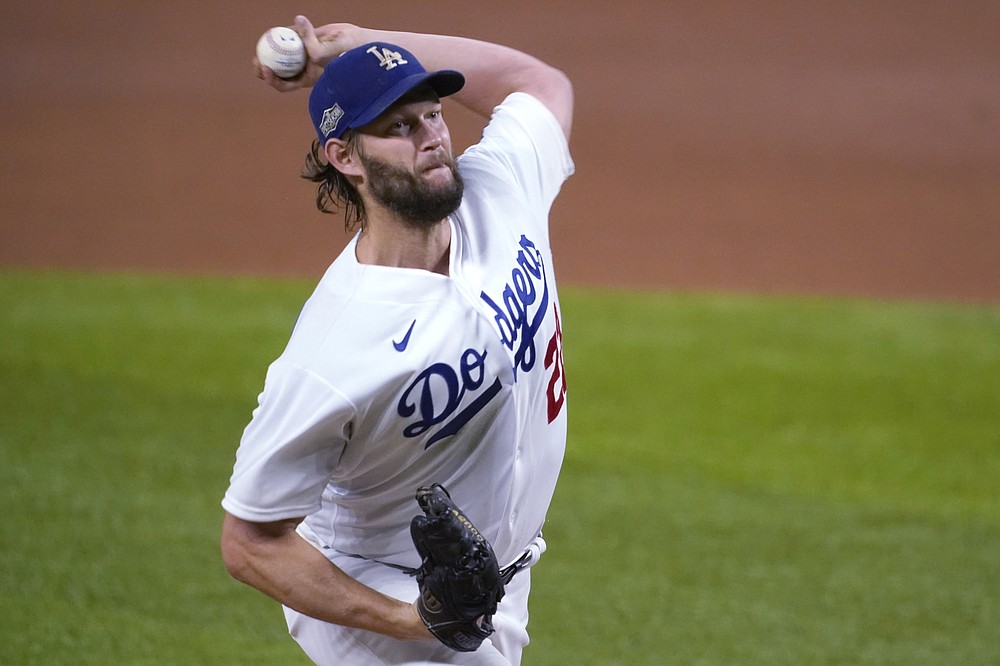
(343, 157)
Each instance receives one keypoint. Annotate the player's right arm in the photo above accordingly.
(273, 558)
(492, 71)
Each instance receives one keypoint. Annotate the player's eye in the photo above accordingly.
(399, 127)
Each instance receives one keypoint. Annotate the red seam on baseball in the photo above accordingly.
(278, 48)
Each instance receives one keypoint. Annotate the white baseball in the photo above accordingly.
(282, 50)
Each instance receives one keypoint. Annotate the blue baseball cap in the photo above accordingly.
(359, 85)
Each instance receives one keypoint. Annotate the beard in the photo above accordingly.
(414, 199)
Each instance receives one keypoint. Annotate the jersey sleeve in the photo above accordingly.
(524, 144)
(290, 447)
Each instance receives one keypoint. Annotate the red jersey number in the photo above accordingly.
(557, 379)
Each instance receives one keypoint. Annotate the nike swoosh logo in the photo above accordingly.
(401, 345)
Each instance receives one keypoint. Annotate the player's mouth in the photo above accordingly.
(438, 160)
(437, 166)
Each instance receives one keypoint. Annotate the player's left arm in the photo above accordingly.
(492, 71)
(273, 558)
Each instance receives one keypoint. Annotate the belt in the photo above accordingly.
(528, 558)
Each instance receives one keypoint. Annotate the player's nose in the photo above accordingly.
(432, 136)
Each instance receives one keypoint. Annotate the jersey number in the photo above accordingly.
(557, 380)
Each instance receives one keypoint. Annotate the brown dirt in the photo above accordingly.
(778, 146)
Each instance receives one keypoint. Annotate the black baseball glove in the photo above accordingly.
(459, 577)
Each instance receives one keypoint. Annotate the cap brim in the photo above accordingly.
(444, 82)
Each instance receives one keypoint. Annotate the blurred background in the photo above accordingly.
(766, 474)
(781, 146)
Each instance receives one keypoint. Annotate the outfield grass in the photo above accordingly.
(749, 480)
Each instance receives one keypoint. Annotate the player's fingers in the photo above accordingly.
(307, 32)
(317, 55)
(276, 82)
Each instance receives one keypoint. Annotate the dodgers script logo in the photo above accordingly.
(525, 302)
(438, 392)
(436, 396)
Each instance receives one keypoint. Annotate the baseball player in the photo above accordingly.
(429, 353)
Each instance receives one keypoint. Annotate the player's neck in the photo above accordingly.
(390, 242)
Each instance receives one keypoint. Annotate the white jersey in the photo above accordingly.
(396, 378)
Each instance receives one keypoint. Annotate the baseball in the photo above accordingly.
(282, 50)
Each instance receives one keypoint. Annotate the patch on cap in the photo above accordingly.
(330, 119)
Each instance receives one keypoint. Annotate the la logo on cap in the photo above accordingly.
(330, 119)
(387, 57)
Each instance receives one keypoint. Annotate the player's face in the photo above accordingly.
(406, 154)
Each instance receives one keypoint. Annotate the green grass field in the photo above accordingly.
(749, 480)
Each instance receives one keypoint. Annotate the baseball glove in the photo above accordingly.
(459, 577)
